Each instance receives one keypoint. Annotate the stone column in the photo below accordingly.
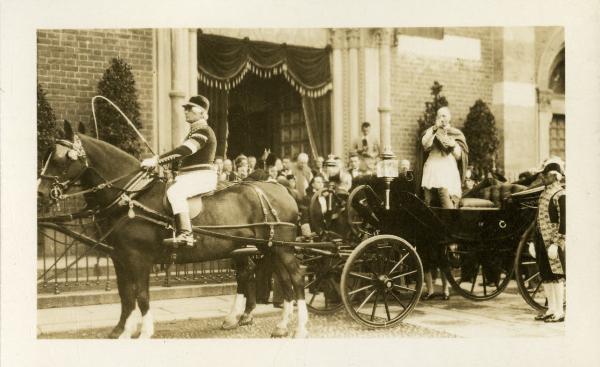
(545, 115)
(514, 98)
(163, 87)
(179, 82)
(193, 61)
(337, 126)
(353, 36)
(385, 119)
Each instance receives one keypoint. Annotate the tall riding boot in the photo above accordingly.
(184, 232)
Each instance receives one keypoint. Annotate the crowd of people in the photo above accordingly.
(446, 174)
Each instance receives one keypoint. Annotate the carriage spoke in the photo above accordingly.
(484, 281)
(335, 286)
(403, 274)
(398, 299)
(398, 263)
(387, 308)
(361, 276)
(537, 288)
(475, 277)
(312, 299)
(374, 307)
(531, 277)
(319, 257)
(365, 301)
(316, 280)
(405, 288)
(361, 289)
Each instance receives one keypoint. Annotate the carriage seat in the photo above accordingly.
(495, 194)
(466, 203)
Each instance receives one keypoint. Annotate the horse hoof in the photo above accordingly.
(115, 333)
(246, 320)
(146, 334)
(229, 324)
(279, 333)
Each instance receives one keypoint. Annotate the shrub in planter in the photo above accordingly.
(481, 134)
(46, 124)
(118, 85)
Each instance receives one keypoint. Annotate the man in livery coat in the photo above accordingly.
(549, 245)
(196, 173)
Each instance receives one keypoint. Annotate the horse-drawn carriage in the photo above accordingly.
(379, 269)
(364, 259)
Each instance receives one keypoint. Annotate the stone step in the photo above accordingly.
(97, 297)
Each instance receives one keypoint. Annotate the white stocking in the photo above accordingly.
(147, 329)
(286, 313)
(129, 327)
(549, 292)
(301, 331)
(239, 303)
(559, 298)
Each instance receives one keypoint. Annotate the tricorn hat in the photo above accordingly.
(553, 164)
(198, 101)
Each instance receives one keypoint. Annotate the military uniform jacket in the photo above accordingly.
(551, 221)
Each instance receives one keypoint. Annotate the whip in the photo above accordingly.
(126, 119)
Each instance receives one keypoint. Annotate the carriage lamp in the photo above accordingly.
(332, 169)
(387, 168)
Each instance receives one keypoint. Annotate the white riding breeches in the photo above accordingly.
(190, 184)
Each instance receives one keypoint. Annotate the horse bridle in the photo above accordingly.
(76, 153)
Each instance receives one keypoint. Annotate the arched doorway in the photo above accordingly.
(557, 125)
(266, 114)
(551, 97)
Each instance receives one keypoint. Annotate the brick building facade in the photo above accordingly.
(72, 62)
(508, 68)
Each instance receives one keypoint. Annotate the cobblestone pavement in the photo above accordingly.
(338, 325)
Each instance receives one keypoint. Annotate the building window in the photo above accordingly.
(292, 127)
(557, 136)
(557, 77)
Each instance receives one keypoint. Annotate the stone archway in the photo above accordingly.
(550, 104)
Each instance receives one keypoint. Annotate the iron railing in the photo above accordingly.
(65, 264)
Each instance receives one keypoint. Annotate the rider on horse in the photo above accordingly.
(197, 176)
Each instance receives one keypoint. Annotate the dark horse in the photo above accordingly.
(138, 242)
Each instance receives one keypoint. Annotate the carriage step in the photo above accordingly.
(245, 251)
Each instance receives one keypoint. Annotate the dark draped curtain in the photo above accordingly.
(217, 114)
(223, 62)
(317, 114)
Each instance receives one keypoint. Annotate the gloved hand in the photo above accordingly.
(531, 249)
(553, 251)
(149, 163)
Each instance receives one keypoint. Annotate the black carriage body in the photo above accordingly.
(408, 216)
(475, 247)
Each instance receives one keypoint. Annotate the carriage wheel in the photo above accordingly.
(382, 281)
(357, 208)
(476, 272)
(322, 283)
(527, 274)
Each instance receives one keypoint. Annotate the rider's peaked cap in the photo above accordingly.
(198, 101)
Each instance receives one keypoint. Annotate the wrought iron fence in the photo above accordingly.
(66, 264)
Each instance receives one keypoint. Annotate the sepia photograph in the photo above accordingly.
(310, 184)
(318, 182)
